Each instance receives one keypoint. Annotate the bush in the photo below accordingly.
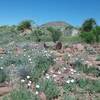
(42, 64)
(21, 94)
(55, 34)
(50, 89)
(24, 25)
(88, 37)
(2, 75)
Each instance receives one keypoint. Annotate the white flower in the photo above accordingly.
(64, 68)
(28, 56)
(48, 77)
(28, 77)
(72, 73)
(1, 57)
(29, 84)
(59, 72)
(54, 75)
(36, 92)
(72, 80)
(30, 62)
(37, 86)
(22, 81)
(51, 71)
(24, 54)
(30, 59)
(68, 81)
(69, 55)
(1, 68)
(78, 74)
(71, 70)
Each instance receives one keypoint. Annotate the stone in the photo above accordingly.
(2, 51)
(42, 96)
(58, 46)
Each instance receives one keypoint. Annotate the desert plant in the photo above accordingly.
(88, 37)
(42, 64)
(55, 33)
(88, 25)
(21, 94)
(25, 25)
(96, 32)
(3, 75)
(50, 89)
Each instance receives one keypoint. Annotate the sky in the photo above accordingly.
(73, 12)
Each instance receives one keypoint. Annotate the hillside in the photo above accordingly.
(65, 27)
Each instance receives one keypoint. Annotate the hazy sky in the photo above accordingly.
(41, 11)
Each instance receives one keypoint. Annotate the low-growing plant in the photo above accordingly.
(3, 75)
(21, 94)
(71, 87)
(98, 58)
(88, 37)
(87, 69)
(50, 88)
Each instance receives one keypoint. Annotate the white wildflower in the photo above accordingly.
(28, 56)
(72, 70)
(30, 59)
(54, 75)
(64, 68)
(72, 80)
(29, 84)
(68, 81)
(36, 92)
(59, 72)
(1, 68)
(1, 57)
(47, 76)
(37, 86)
(28, 77)
(72, 73)
(22, 81)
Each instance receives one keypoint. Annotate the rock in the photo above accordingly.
(5, 90)
(58, 46)
(42, 96)
(79, 47)
(2, 51)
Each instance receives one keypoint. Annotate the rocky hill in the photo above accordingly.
(66, 28)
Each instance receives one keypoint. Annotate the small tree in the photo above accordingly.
(88, 37)
(38, 33)
(27, 24)
(55, 33)
(96, 32)
(88, 25)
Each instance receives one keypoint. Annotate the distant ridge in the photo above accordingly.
(55, 24)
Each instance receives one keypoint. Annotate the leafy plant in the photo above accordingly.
(3, 75)
(55, 33)
(21, 94)
(49, 88)
(88, 37)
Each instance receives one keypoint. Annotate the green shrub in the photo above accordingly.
(55, 33)
(50, 89)
(21, 94)
(88, 37)
(88, 70)
(42, 64)
(24, 25)
(3, 75)
(98, 58)
(71, 87)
